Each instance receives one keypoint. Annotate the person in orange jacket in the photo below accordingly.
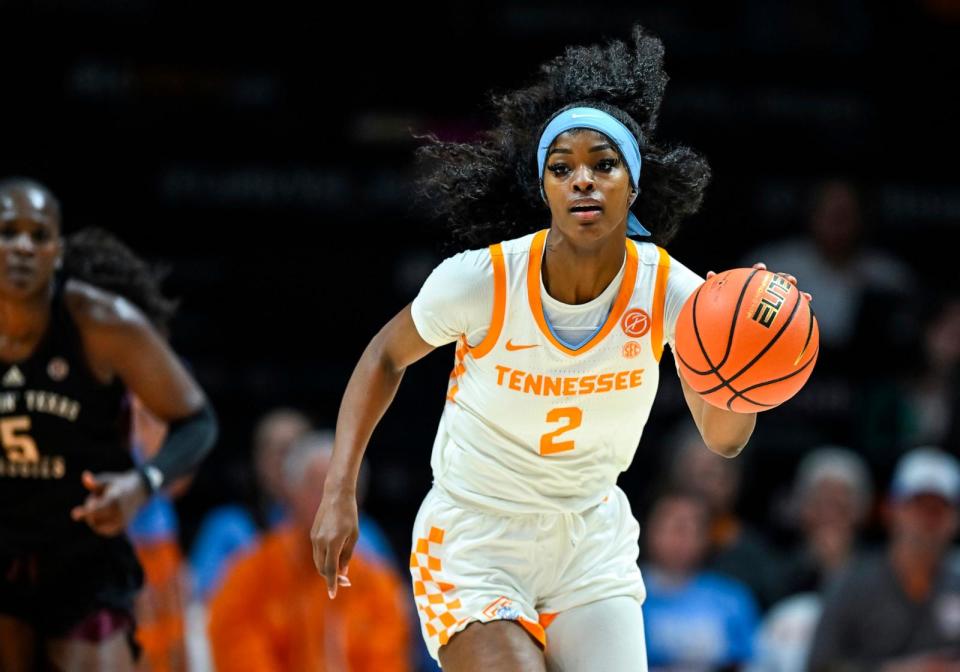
(160, 606)
(272, 612)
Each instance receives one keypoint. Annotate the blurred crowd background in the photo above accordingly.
(263, 153)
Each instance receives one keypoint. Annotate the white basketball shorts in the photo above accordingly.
(470, 565)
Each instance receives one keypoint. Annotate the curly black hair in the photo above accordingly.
(489, 190)
(98, 257)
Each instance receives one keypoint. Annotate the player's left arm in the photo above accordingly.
(121, 342)
(724, 432)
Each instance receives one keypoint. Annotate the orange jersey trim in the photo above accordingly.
(458, 368)
(546, 618)
(659, 298)
(535, 630)
(499, 304)
(619, 305)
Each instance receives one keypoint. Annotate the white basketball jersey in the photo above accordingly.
(530, 425)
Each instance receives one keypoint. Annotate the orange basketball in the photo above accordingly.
(746, 340)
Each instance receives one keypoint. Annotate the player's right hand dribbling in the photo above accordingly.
(333, 535)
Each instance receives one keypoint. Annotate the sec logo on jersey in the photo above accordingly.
(631, 349)
(635, 322)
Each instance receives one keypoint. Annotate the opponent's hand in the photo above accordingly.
(113, 501)
(335, 531)
(762, 266)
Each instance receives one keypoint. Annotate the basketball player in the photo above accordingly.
(559, 333)
(76, 337)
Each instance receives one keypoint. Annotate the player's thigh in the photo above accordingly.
(466, 566)
(498, 645)
(603, 635)
(17, 645)
(111, 654)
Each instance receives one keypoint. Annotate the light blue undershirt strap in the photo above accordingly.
(585, 340)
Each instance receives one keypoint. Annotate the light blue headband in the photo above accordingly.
(598, 120)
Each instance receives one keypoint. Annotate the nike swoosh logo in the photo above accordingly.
(511, 346)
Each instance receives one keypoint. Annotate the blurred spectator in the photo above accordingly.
(833, 265)
(735, 549)
(273, 612)
(693, 619)
(273, 437)
(933, 392)
(231, 528)
(783, 643)
(160, 606)
(900, 610)
(922, 406)
(832, 497)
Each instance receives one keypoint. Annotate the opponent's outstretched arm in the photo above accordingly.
(121, 342)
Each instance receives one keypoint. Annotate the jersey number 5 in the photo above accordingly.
(18, 446)
(573, 416)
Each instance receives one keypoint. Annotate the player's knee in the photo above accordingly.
(500, 645)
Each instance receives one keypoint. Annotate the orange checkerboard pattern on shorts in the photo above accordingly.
(430, 592)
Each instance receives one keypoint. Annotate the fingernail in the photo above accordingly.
(331, 593)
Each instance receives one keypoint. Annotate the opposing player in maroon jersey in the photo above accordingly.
(80, 329)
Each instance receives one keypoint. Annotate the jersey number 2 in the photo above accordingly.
(573, 416)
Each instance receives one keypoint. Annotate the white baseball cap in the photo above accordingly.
(927, 471)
